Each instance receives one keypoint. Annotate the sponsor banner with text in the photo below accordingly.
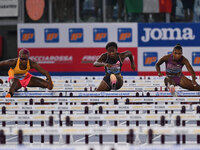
(74, 59)
(8, 8)
(168, 34)
(74, 47)
(76, 35)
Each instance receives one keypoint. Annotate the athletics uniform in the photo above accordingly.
(115, 69)
(174, 67)
(23, 76)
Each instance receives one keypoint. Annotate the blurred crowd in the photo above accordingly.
(124, 11)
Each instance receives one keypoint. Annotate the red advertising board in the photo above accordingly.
(74, 59)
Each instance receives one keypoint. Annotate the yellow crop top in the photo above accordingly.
(17, 70)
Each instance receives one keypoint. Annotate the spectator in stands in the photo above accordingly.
(173, 13)
(112, 61)
(64, 10)
(121, 4)
(109, 9)
(188, 6)
(174, 64)
(110, 4)
(58, 10)
(70, 9)
(81, 8)
(19, 75)
(98, 7)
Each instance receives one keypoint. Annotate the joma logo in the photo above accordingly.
(167, 34)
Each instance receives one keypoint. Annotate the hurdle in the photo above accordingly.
(102, 94)
(28, 120)
(107, 109)
(91, 83)
(169, 120)
(104, 147)
(99, 100)
(36, 94)
(73, 114)
(68, 134)
(132, 120)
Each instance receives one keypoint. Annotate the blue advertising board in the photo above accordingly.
(168, 34)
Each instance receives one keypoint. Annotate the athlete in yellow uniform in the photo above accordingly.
(19, 75)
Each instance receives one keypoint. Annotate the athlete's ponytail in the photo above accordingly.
(178, 47)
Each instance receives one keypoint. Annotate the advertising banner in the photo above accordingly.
(74, 59)
(73, 47)
(76, 35)
(168, 34)
(8, 8)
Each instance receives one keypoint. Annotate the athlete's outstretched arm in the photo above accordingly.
(42, 71)
(8, 63)
(101, 61)
(130, 56)
(190, 69)
(160, 62)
